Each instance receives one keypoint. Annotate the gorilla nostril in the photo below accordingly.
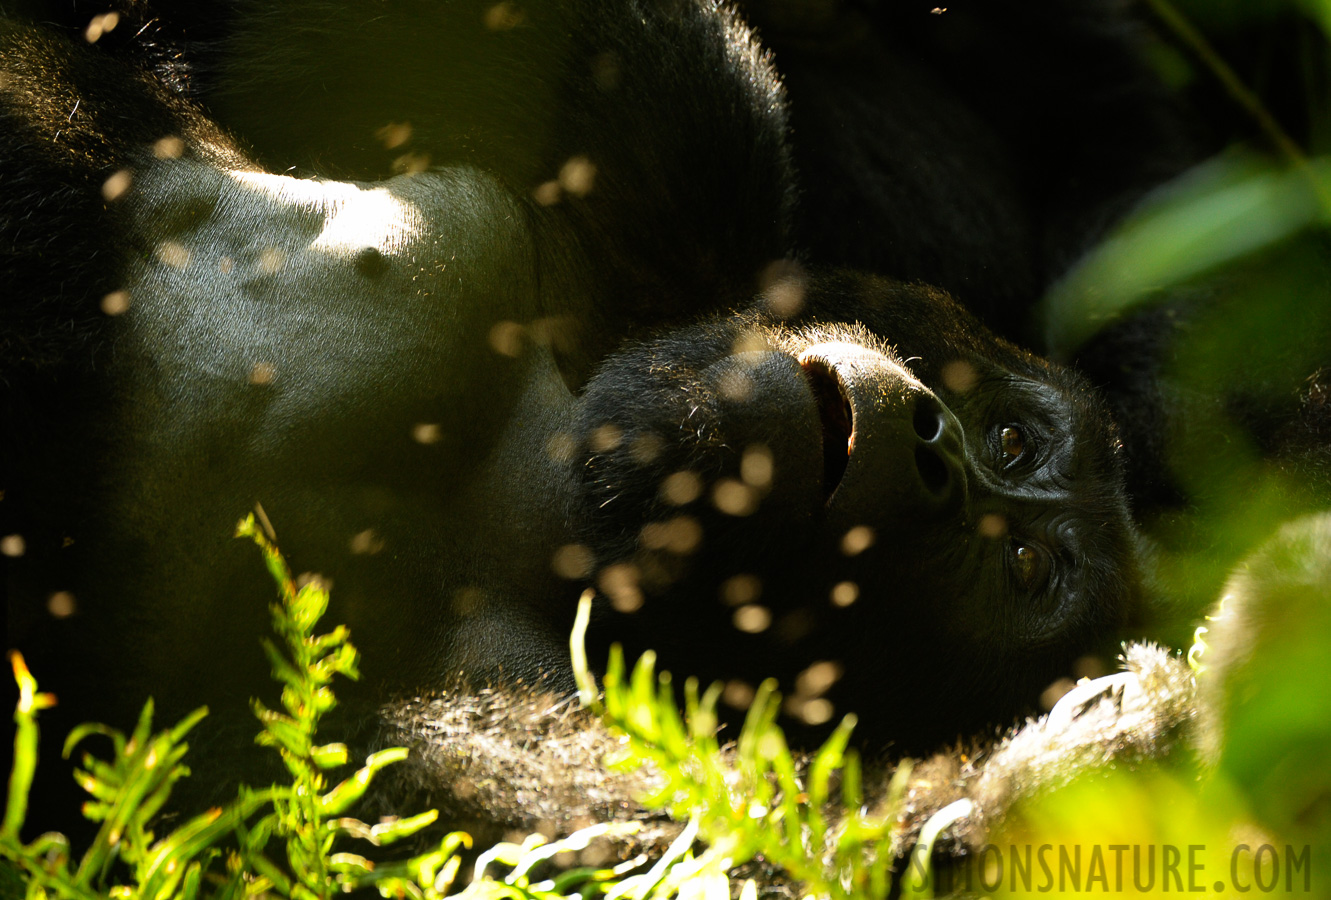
(928, 420)
(837, 421)
(934, 473)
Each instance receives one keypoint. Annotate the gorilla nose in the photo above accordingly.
(888, 441)
(938, 454)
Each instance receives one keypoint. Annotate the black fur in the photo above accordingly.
(564, 216)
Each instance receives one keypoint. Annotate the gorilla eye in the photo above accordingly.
(1013, 443)
(1029, 566)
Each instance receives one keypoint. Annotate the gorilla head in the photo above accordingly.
(896, 516)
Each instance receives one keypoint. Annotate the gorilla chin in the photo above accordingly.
(887, 528)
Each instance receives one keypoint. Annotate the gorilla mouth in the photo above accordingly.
(838, 422)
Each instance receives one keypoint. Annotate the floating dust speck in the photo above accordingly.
(263, 373)
(734, 498)
(606, 438)
(547, 193)
(13, 546)
(100, 26)
(427, 433)
(740, 590)
(992, 526)
(736, 385)
(619, 582)
(752, 618)
(646, 447)
(394, 134)
(738, 694)
(503, 16)
(681, 488)
(680, 535)
(271, 260)
(782, 286)
(1052, 694)
(959, 376)
(814, 711)
(785, 299)
(61, 604)
(751, 342)
(411, 164)
(172, 254)
(225, 265)
(314, 578)
(817, 678)
(115, 303)
(115, 187)
(560, 332)
(507, 338)
(756, 466)
(577, 176)
(844, 593)
(366, 543)
(573, 561)
(857, 540)
(169, 147)
(561, 447)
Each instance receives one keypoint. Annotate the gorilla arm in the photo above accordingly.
(495, 761)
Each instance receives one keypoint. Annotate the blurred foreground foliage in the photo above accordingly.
(1247, 809)
(1235, 258)
(1239, 251)
(276, 840)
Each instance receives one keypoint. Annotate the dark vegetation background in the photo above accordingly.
(1210, 314)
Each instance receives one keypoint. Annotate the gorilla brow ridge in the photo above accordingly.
(795, 339)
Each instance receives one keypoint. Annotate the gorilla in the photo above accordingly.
(489, 302)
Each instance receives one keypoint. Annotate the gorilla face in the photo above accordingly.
(888, 515)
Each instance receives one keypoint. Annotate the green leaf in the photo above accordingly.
(281, 730)
(387, 832)
(348, 792)
(309, 605)
(329, 756)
